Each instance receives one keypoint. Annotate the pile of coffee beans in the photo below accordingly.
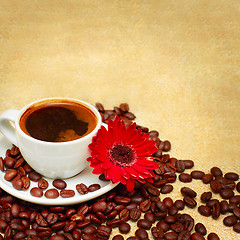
(154, 217)
(20, 174)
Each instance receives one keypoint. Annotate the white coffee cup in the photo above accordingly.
(51, 159)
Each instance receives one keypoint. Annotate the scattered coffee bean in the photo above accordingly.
(67, 193)
(201, 229)
(93, 187)
(185, 177)
(230, 221)
(212, 236)
(59, 184)
(197, 174)
(36, 192)
(51, 193)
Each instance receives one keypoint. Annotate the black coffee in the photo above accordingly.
(58, 121)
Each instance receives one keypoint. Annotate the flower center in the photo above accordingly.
(122, 155)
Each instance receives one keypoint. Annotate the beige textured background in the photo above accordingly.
(175, 62)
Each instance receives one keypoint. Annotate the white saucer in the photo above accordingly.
(85, 177)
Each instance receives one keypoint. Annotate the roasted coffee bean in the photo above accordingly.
(118, 237)
(212, 236)
(43, 183)
(188, 192)
(201, 229)
(216, 186)
(135, 214)
(168, 202)
(124, 215)
(89, 237)
(161, 206)
(145, 205)
(236, 227)
(216, 210)
(190, 202)
(124, 227)
(167, 146)
(59, 184)
(205, 210)
(179, 204)
(17, 183)
(226, 193)
(180, 165)
(216, 171)
(82, 188)
(67, 193)
(235, 199)
(36, 192)
(157, 232)
(197, 236)
(26, 182)
(170, 236)
(124, 107)
(230, 221)
(9, 162)
(170, 219)
(114, 222)
(172, 211)
(236, 212)
(184, 235)
(207, 178)
(93, 187)
(143, 223)
(34, 176)
(100, 107)
(188, 164)
(177, 227)
(51, 193)
(224, 206)
(206, 196)
(238, 187)
(185, 177)
(232, 176)
(15, 210)
(163, 225)
(141, 234)
(122, 200)
(166, 189)
(10, 174)
(103, 231)
(211, 202)
(197, 174)
(149, 217)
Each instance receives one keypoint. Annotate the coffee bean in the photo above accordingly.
(197, 236)
(216, 171)
(230, 221)
(188, 164)
(184, 235)
(93, 187)
(143, 223)
(10, 174)
(43, 183)
(226, 193)
(236, 227)
(59, 184)
(9, 162)
(188, 192)
(212, 236)
(180, 165)
(216, 186)
(124, 227)
(118, 237)
(145, 205)
(36, 192)
(135, 214)
(238, 187)
(141, 234)
(197, 174)
(177, 227)
(232, 176)
(216, 210)
(26, 182)
(34, 176)
(82, 188)
(89, 237)
(185, 177)
(179, 204)
(206, 196)
(224, 206)
(17, 183)
(67, 193)
(166, 189)
(235, 199)
(51, 193)
(205, 210)
(189, 202)
(157, 233)
(207, 178)
(201, 229)
(170, 236)
(163, 225)
(124, 215)
(100, 206)
(122, 200)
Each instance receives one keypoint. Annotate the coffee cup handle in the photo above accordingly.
(7, 122)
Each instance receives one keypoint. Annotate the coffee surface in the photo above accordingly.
(58, 122)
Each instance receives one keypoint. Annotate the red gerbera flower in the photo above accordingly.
(123, 154)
